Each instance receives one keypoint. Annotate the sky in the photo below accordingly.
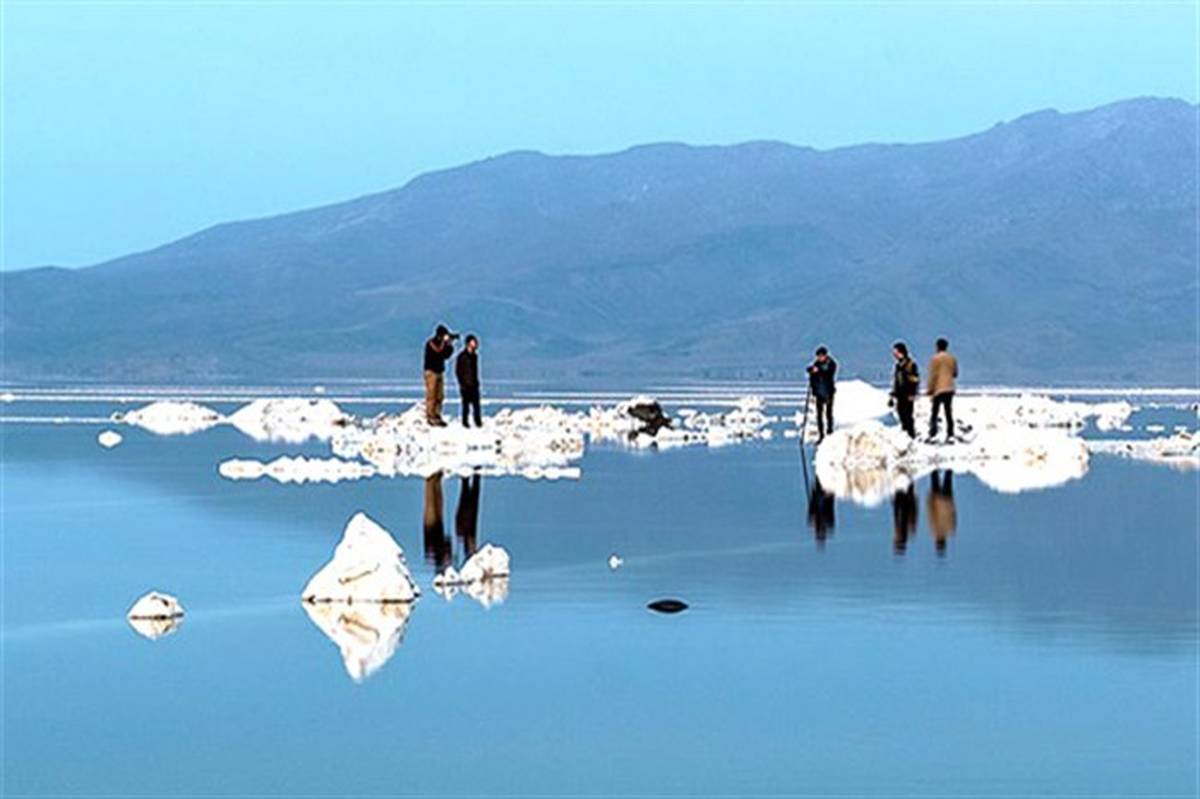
(130, 124)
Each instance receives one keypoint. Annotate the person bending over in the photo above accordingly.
(437, 351)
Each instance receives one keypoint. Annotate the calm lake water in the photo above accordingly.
(951, 642)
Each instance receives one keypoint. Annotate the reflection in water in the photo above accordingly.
(943, 516)
(437, 543)
(466, 518)
(367, 633)
(155, 628)
(821, 506)
(904, 517)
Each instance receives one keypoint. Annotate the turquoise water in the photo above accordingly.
(1047, 645)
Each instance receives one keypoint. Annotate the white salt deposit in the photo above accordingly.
(367, 566)
(488, 562)
(615, 561)
(1181, 449)
(299, 470)
(289, 420)
(171, 417)
(8, 396)
(109, 438)
(366, 634)
(866, 463)
(155, 614)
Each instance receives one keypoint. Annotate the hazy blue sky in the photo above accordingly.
(128, 125)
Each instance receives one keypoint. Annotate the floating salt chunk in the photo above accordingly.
(488, 562)
(8, 396)
(109, 438)
(170, 418)
(366, 634)
(367, 566)
(615, 561)
(1155, 428)
(318, 389)
(155, 615)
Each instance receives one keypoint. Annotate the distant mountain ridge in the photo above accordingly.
(1054, 248)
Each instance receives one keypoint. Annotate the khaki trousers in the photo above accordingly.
(435, 394)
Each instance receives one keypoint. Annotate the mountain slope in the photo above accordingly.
(1058, 247)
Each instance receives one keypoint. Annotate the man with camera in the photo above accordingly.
(437, 351)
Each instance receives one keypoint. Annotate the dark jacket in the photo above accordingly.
(466, 369)
(821, 378)
(435, 359)
(906, 380)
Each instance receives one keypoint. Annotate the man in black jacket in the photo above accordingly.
(437, 351)
(906, 380)
(821, 382)
(466, 369)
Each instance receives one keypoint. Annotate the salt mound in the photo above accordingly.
(367, 566)
(367, 634)
(488, 562)
(155, 615)
(109, 439)
(289, 420)
(169, 418)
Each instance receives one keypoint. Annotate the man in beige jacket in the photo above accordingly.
(943, 369)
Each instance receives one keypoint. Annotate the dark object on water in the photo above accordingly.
(651, 415)
(668, 605)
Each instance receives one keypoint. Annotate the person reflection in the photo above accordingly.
(943, 517)
(437, 545)
(820, 512)
(904, 518)
(466, 518)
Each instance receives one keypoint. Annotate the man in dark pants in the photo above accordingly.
(438, 350)
(906, 380)
(821, 382)
(466, 369)
(943, 371)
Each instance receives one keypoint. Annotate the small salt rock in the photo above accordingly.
(156, 605)
(615, 561)
(109, 439)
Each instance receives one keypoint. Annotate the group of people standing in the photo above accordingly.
(438, 350)
(906, 383)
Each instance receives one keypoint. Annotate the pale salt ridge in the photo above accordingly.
(1181, 450)
(298, 470)
(289, 420)
(171, 417)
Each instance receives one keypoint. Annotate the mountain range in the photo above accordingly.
(1055, 248)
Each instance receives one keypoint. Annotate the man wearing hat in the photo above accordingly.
(437, 351)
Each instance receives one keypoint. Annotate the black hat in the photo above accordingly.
(442, 330)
